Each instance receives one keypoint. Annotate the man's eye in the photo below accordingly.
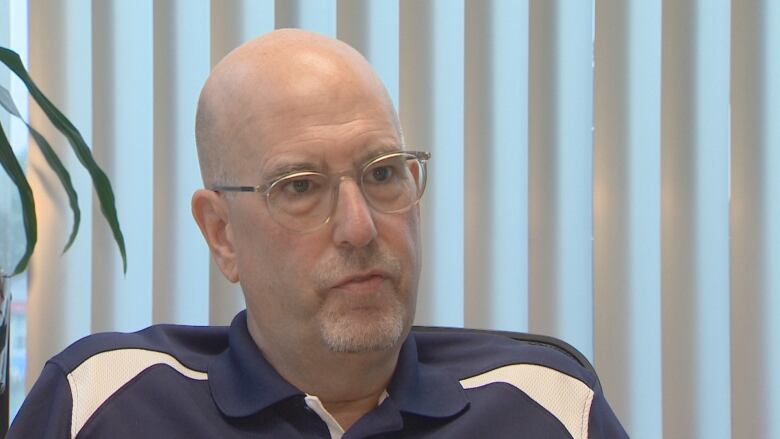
(299, 186)
(381, 174)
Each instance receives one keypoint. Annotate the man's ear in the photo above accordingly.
(211, 213)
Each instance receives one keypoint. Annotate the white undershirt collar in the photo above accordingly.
(335, 429)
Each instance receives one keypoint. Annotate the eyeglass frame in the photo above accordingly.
(422, 158)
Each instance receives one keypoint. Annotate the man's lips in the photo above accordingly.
(361, 283)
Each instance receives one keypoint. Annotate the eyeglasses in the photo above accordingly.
(304, 201)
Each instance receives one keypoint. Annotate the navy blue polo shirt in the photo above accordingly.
(177, 381)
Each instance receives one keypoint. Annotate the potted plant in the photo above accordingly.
(14, 170)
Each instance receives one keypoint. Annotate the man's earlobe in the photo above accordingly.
(211, 213)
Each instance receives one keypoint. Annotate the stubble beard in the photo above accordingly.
(373, 326)
(379, 331)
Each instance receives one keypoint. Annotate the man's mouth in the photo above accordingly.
(364, 283)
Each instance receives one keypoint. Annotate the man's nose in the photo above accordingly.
(353, 224)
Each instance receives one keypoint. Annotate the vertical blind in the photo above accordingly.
(607, 173)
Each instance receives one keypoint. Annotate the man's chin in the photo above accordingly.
(362, 333)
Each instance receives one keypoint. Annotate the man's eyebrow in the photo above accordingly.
(377, 151)
(283, 169)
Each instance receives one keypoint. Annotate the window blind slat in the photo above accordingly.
(771, 108)
(755, 220)
(495, 168)
(432, 113)
(123, 143)
(560, 174)
(695, 239)
(314, 15)
(181, 264)
(627, 211)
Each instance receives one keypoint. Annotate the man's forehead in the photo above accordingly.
(276, 146)
(270, 91)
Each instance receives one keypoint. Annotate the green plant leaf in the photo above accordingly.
(14, 171)
(99, 179)
(54, 163)
(8, 103)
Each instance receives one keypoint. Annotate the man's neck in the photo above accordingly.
(349, 385)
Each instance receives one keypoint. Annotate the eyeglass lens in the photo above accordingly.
(305, 200)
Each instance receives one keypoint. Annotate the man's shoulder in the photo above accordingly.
(190, 346)
(467, 354)
(108, 382)
(550, 386)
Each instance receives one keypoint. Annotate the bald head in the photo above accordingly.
(272, 78)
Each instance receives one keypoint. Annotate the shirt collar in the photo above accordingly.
(242, 382)
(423, 389)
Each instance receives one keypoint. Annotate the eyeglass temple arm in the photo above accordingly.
(422, 155)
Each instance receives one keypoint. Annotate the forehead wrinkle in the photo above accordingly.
(256, 128)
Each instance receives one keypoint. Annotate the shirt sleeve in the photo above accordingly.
(46, 412)
(603, 424)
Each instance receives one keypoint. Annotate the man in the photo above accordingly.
(311, 203)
